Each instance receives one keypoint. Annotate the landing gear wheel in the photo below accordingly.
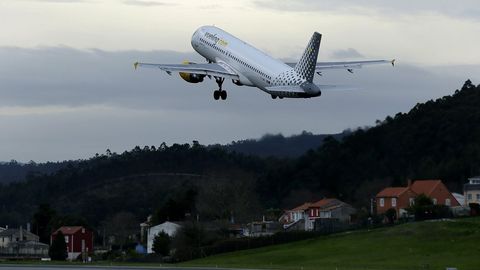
(274, 97)
(219, 93)
(223, 94)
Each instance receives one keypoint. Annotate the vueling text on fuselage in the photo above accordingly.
(216, 39)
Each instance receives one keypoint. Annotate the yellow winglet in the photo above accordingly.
(393, 62)
(135, 65)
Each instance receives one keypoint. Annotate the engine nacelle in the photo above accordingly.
(237, 82)
(191, 77)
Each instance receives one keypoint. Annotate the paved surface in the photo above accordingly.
(94, 267)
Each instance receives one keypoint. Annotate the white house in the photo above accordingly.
(295, 214)
(167, 227)
(471, 190)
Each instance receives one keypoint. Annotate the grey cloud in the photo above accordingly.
(145, 3)
(60, 1)
(65, 76)
(113, 106)
(467, 9)
(346, 54)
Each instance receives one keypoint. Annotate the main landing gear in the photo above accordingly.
(217, 94)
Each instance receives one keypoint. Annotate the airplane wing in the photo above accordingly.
(349, 65)
(212, 69)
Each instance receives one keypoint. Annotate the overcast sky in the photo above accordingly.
(68, 89)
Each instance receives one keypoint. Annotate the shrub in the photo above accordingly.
(474, 209)
(58, 249)
(161, 244)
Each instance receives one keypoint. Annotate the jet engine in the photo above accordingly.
(191, 77)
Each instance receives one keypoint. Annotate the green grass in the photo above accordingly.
(422, 245)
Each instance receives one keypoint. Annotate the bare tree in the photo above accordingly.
(123, 226)
(231, 198)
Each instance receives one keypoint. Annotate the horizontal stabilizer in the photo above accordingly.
(338, 87)
(283, 88)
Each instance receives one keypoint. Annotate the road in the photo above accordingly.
(98, 267)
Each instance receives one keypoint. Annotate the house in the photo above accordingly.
(329, 208)
(400, 198)
(79, 241)
(9, 236)
(262, 228)
(20, 242)
(435, 190)
(305, 216)
(295, 214)
(167, 227)
(471, 190)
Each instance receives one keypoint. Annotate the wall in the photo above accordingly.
(441, 193)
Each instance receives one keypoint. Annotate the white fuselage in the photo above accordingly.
(255, 68)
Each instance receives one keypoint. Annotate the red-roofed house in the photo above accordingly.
(401, 198)
(329, 208)
(397, 198)
(436, 190)
(79, 241)
(295, 214)
(304, 216)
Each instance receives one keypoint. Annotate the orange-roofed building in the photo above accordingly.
(400, 198)
(436, 190)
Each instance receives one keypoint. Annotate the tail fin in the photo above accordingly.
(306, 66)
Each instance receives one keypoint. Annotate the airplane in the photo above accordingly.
(231, 58)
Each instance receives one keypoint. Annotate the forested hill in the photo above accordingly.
(14, 171)
(277, 145)
(138, 183)
(435, 140)
(268, 145)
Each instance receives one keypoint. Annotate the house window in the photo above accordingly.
(394, 202)
(411, 201)
(469, 197)
(434, 200)
(317, 212)
(478, 197)
(66, 239)
(311, 212)
(382, 202)
(447, 202)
